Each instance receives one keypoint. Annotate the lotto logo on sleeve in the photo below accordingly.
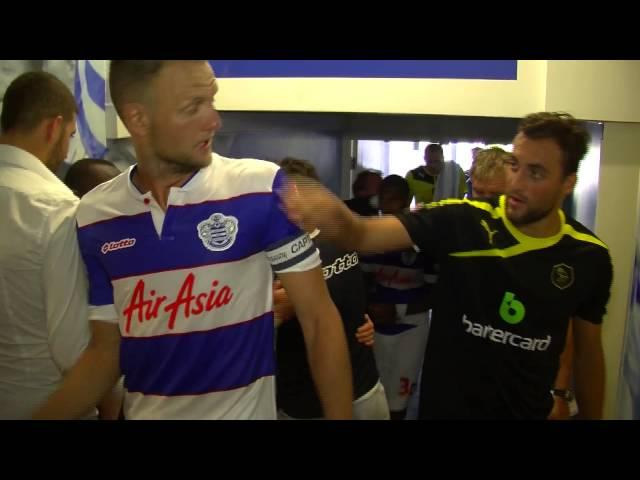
(340, 265)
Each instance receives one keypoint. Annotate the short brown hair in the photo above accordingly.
(129, 79)
(489, 163)
(297, 167)
(33, 97)
(569, 134)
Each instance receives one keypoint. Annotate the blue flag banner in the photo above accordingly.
(89, 91)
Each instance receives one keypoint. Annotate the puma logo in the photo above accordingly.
(490, 232)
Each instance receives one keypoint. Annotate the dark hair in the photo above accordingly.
(396, 185)
(360, 182)
(33, 97)
(569, 134)
(302, 168)
(129, 80)
(83, 176)
(433, 147)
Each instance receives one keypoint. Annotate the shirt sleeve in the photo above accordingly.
(594, 307)
(433, 228)
(101, 305)
(288, 248)
(65, 289)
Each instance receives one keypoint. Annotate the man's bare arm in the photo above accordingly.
(94, 374)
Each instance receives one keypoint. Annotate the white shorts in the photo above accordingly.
(370, 406)
(399, 359)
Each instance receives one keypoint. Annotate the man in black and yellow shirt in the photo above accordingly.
(436, 179)
(512, 273)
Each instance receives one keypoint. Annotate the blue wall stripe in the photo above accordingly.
(454, 69)
(93, 147)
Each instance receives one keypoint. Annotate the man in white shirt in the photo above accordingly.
(43, 285)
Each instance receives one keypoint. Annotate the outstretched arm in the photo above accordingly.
(309, 204)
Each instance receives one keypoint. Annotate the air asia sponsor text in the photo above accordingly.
(145, 307)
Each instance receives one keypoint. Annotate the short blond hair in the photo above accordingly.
(489, 163)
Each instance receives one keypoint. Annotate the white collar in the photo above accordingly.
(20, 158)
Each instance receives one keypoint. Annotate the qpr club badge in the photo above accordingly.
(218, 232)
